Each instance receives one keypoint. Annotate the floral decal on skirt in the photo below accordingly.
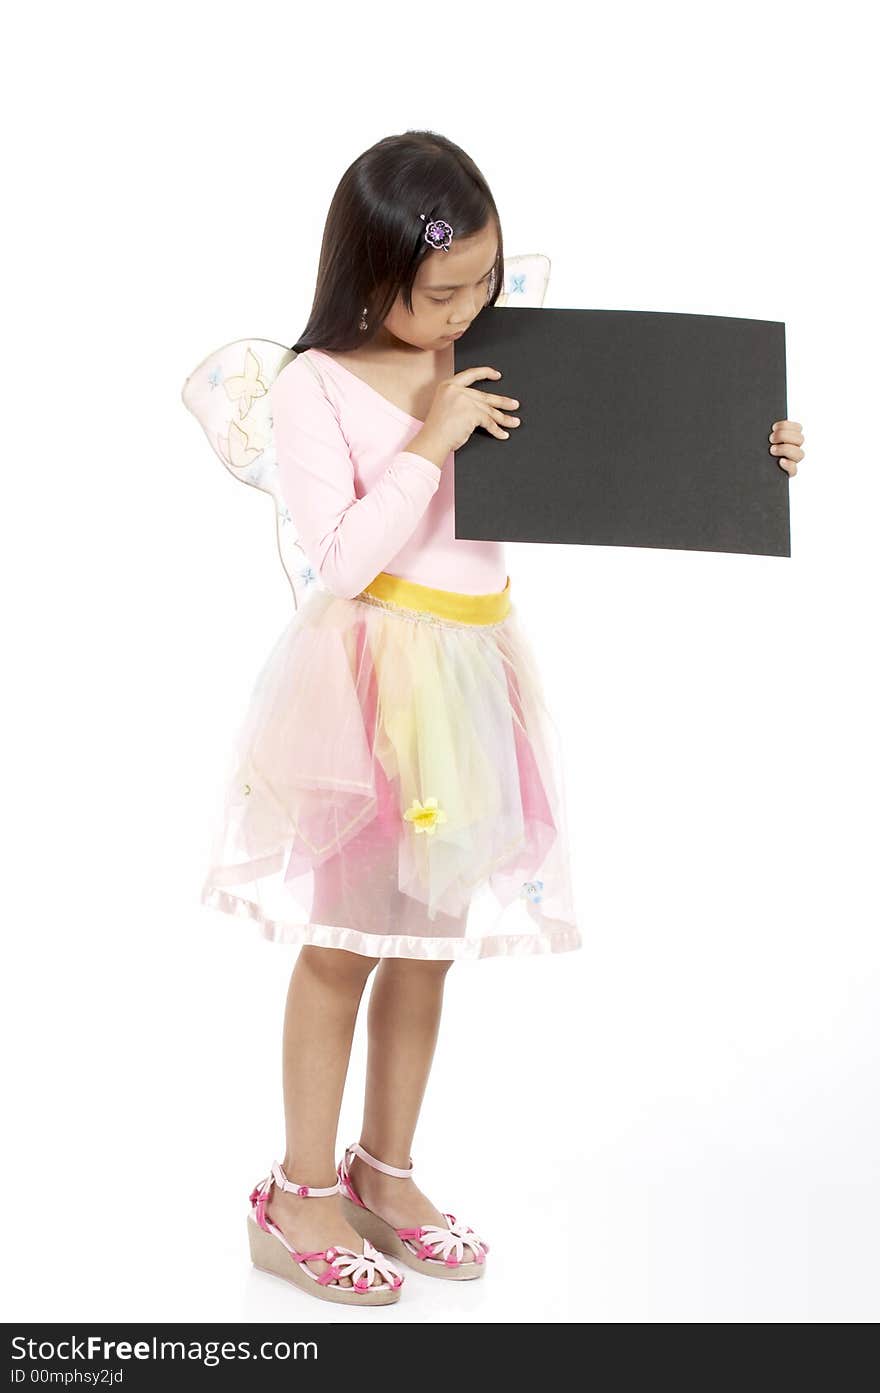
(425, 815)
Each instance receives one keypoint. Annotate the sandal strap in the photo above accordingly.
(343, 1261)
(358, 1150)
(448, 1244)
(314, 1191)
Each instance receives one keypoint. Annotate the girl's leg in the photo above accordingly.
(325, 991)
(403, 1022)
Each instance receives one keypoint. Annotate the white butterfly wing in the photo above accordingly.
(525, 281)
(228, 393)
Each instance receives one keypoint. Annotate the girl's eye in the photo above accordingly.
(448, 299)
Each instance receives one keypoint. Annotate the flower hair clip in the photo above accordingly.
(438, 234)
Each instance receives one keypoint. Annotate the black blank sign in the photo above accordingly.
(639, 429)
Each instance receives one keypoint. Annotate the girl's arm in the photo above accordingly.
(347, 539)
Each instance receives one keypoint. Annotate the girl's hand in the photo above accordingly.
(458, 408)
(786, 439)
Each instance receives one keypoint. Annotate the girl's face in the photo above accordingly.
(450, 289)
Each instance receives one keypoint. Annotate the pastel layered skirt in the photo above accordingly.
(395, 787)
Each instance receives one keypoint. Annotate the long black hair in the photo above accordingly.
(374, 238)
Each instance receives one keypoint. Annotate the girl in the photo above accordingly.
(395, 801)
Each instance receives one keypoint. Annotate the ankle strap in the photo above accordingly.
(379, 1165)
(283, 1183)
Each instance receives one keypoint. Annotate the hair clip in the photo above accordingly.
(438, 234)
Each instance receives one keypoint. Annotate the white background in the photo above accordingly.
(677, 1124)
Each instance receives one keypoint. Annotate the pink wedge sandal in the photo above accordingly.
(436, 1251)
(271, 1252)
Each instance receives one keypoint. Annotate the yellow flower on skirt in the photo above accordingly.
(425, 815)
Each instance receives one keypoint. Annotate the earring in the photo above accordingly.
(363, 324)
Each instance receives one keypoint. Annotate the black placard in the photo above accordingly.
(639, 429)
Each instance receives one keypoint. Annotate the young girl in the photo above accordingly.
(395, 801)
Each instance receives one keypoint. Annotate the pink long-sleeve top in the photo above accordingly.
(360, 501)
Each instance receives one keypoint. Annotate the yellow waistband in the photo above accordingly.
(446, 604)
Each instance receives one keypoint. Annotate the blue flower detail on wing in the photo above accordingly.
(533, 890)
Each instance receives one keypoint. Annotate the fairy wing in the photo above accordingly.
(525, 280)
(228, 393)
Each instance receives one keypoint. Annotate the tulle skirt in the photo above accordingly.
(395, 787)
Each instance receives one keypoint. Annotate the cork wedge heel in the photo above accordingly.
(271, 1252)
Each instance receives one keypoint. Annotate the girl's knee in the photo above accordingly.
(418, 967)
(336, 966)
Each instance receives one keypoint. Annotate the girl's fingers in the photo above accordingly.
(469, 375)
(491, 425)
(496, 420)
(786, 439)
(502, 419)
